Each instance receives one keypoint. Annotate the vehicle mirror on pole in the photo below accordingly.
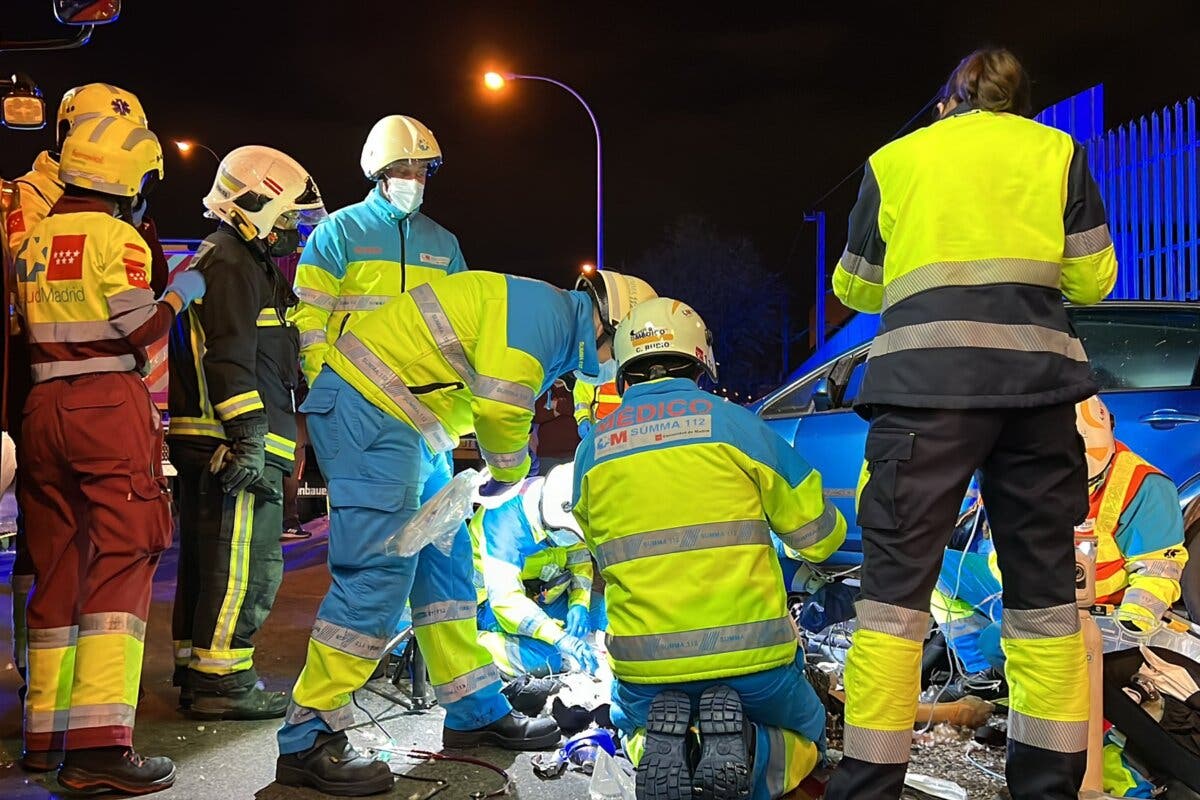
(21, 104)
(87, 12)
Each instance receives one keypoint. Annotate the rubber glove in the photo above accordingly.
(580, 652)
(494, 493)
(579, 621)
(188, 286)
(585, 428)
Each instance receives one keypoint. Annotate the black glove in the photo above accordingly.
(246, 461)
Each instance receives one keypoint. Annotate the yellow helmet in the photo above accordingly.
(111, 155)
(399, 138)
(614, 294)
(662, 327)
(1095, 425)
(97, 100)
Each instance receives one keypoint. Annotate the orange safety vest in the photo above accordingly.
(1125, 477)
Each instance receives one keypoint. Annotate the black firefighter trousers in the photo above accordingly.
(1034, 486)
(230, 566)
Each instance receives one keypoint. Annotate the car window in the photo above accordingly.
(1140, 348)
(854, 384)
(796, 400)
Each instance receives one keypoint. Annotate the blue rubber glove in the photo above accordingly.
(188, 286)
(494, 493)
(579, 621)
(580, 652)
(585, 428)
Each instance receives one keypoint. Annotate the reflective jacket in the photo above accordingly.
(966, 235)
(357, 260)
(34, 193)
(594, 403)
(233, 355)
(1140, 553)
(519, 569)
(83, 290)
(470, 352)
(678, 493)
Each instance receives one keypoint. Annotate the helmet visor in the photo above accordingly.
(411, 168)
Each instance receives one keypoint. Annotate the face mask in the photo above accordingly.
(608, 373)
(138, 212)
(286, 242)
(405, 194)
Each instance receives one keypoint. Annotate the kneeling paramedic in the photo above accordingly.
(467, 352)
(533, 576)
(677, 493)
(91, 478)
(233, 431)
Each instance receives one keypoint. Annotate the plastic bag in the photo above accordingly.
(935, 787)
(609, 780)
(438, 519)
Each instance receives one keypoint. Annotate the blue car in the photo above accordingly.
(1146, 358)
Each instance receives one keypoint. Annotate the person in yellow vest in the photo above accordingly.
(677, 493)
(593, 403)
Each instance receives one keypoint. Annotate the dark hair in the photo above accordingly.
(990, 79)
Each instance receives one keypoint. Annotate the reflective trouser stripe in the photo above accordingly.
(348, 641)
(883, 681)
(51, 667)
(1046, 666)
(736, 533)
(325, 684)
(222, 662)
(457, 662)
(239, 576)
(465, 685)
(183, 652)
(790, 758)
(444, 611)
(337, 719)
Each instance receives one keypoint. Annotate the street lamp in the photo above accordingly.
(186, 147)
(496, 80)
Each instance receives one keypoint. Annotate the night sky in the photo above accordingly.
(746, 115)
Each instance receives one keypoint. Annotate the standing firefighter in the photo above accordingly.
(233, 430)
(91, 483)
(966, 234)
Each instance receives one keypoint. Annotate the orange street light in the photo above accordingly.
(186, 147)
(494, 81)
(587, 268)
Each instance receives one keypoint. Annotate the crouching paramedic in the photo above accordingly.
(91, 482)
(533, 575)
(677, 493)
(233, 429)
(468, 352)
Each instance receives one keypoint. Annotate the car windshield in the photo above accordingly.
(1141, 348)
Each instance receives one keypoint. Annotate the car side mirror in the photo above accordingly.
(87, 12)
(21, 104)
(822, 395)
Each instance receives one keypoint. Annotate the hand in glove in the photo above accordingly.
(244, 465)
(494, 493)
(585, 428)
(579, 621)
(580, 652)
(185, 288)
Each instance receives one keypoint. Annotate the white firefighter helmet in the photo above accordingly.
(8, 462)
(662, 327)
(556, 505)
(257, 185)
(1095, 426)
(614, 294)
(399, 138)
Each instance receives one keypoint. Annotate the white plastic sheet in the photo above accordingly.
(438, 519)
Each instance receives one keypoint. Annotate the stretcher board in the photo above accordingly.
(1175, 634)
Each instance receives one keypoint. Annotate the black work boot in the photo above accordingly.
(181, 679)
(528, 694)
(251, 703)
(512, 732)
(724, 769)
(663, 773)
(117, 769)
(41, 760)
(334, 767)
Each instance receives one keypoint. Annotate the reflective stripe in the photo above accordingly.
(103, 715)
(84, 366)
(74, 331)
(129, 300)
(112, 622)
(702, 642)
(813, 532)
(966, 333)
(309, 338)
(528, 625)
(127, 323)
(1040, 623)
(46, 721)
(191, 426)
(348, 641)
(315, 297)
(686, 538)
(898, 621)
(1048, 734)
(49, 638)
(1143, 598)
(279, 446)
(238, 570)
(361, 302)
(978, 272)
(1087, 243)
(390, 383)
(137, 136)
(269, 318)
(448, 343)
(579, 556)
(581, 583)
(1156, 568)
(878, 747)
(504, 460)
(776, 772)
(444, 611)
(466, 685)
(338, 719)
(860, 268)
(223, 662)
(239, 404)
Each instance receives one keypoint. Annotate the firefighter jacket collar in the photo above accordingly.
(383, 208)
(68, 204)
(47, 165)
(587, 361)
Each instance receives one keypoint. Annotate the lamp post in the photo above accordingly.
(186, 147)
(496, 80)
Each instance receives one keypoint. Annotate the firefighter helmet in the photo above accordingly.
(255, 186)
(111, 155)
(399, 138)
(662, 327)
(1095, 425)
(614, 294)
(97, 100)
(556, 501)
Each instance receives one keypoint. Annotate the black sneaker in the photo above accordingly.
(294, 532)
(334, 767)
(116, 769)
(723, 771)
(662, 773)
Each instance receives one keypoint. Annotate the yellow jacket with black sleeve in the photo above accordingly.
(470, 352)
(678, 493)
(233, 356)
(966, 235)
(356, 261)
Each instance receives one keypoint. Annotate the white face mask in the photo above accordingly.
(405, 194)
(608, 372)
